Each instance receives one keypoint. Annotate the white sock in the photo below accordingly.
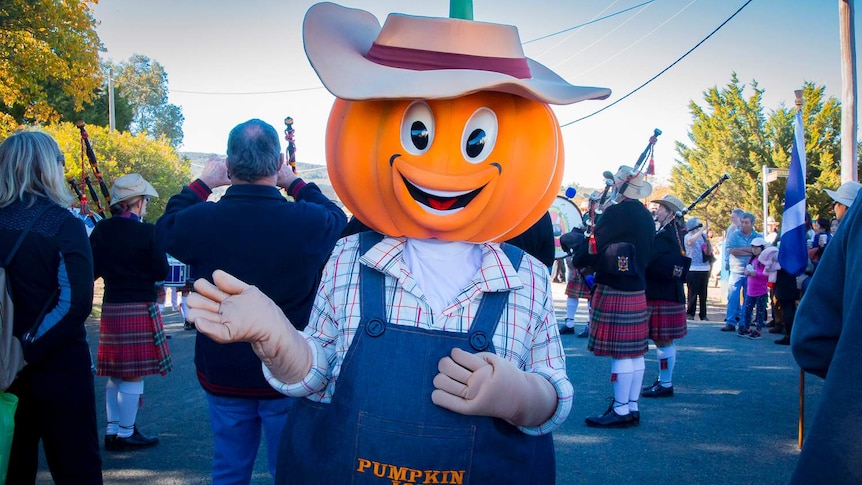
(621, 377)
(112, 407)
(571, 309)
(174, 294)
(184, 309)
(129, 397)
(638, 367)
(666, 361)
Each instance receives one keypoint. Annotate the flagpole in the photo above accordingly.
(801, 423)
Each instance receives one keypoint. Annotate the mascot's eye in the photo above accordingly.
(417, 128)
(480, 135)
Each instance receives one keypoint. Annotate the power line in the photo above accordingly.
(596, 41)
(247, 93)
(587, 23)
(663, 70)
(619, 53)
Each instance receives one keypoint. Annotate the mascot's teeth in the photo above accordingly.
(441, 193)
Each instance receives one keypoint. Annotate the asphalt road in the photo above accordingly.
(733, 419)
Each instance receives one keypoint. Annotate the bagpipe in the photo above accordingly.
(291, 144)
(678, 215)
(86, 184)
(599, 201)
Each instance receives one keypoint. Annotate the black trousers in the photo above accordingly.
(788, 309)
(58, 408)
(697, 282)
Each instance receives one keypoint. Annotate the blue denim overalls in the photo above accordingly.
(381, 426)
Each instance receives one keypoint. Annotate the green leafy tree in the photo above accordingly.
(45, 43)
(144, 83)
(120, 153)
(732, 135)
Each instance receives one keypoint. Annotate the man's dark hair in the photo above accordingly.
(253, 151)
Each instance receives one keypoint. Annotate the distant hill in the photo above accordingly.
(308, 171)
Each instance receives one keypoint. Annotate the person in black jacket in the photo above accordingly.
(619, 321)
(826, 341)
(665, 295)
(51, 276)
(538, 240)
(132, 340)
(279, 246)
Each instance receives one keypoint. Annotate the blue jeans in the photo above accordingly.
(758, 302)
(736, 287)
(236, 426)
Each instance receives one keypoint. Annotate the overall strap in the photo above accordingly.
(491, 307)
(24, 234)
(371, 287)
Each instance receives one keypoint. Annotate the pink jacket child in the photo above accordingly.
(757, 278)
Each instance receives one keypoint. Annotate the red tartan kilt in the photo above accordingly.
(576, 287)
(131, 341)
(619, 323)
(666, 320)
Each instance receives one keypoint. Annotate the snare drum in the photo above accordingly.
(565, 216)
(178, 273)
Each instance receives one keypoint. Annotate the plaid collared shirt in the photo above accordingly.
(526, 335)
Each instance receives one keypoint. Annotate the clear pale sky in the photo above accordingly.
(253, 50)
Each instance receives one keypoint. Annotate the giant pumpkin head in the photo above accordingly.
(442, 127)
(476, 168)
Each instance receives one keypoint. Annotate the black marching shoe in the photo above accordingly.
(110, 442)
(610, 419)
(135, 442)
(585, 332)
(647, 388)
(783, 340)
(636, 417)
(657, 390)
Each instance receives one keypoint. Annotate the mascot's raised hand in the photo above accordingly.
(234, 311)
(485, 384)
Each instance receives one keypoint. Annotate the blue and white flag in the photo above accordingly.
(793, 251)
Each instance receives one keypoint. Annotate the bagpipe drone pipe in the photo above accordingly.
(86, 185)
(678, 215)
(582, 239)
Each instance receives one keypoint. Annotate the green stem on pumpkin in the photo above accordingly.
(461, 9)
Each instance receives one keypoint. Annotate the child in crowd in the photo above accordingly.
(756, 293)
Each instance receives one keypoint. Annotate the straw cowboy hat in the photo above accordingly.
(632, 186)
(426, 58)
(846, 193)
(129, 186)
(671, 203)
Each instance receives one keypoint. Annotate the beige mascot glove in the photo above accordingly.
(234, 311)
(486, 384)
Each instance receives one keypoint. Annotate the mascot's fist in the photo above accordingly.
(234, 311)
(485, 384)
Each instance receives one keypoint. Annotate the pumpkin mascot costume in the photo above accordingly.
(432, 353)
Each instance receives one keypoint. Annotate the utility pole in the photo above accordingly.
(848, 91)
(112, 119)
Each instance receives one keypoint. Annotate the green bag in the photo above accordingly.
(8, 404)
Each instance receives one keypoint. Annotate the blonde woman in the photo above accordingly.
(51, 276)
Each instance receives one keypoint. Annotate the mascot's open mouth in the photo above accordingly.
(440, 200)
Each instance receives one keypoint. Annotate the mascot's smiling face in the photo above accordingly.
(480, 167)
